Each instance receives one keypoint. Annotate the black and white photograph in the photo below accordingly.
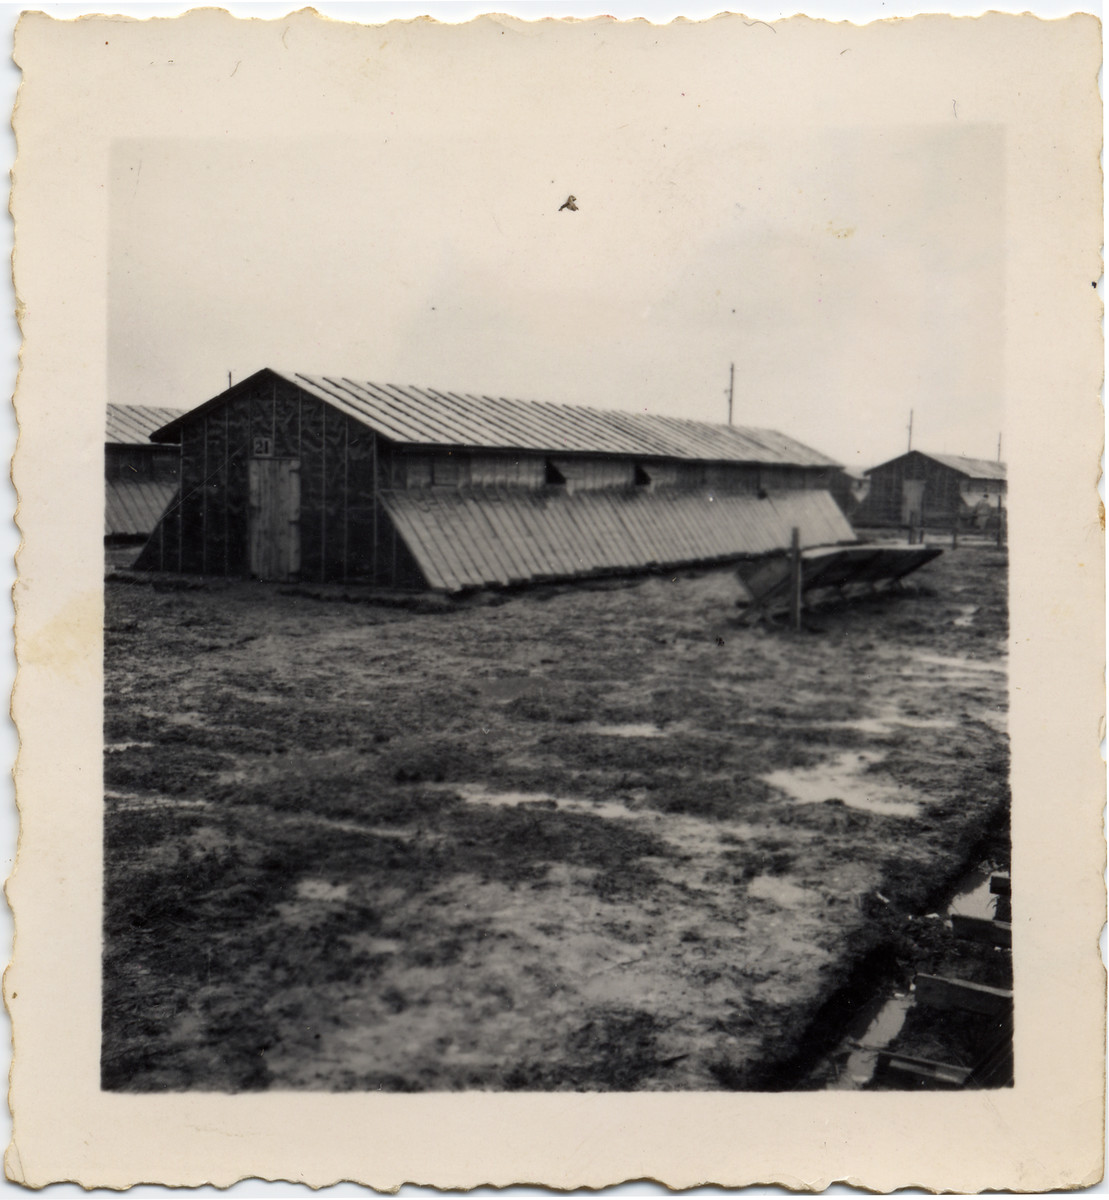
(558, 629)
(647, 732)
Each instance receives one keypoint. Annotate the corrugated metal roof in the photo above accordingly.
(424, 416)
(132, 424)
(134, 507)
(482, 537)
(976, 468)
(414, 416)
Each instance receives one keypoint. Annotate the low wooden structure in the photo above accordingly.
(938, 491)
(979, 1047)
(778, 582)
(318, 478)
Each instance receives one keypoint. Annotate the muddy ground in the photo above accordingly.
(595, 838)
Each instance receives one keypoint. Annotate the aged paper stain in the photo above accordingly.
(70, 641)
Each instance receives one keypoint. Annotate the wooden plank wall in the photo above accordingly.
(942, 488)
(132, 463)
(206, 532)
(409, 469)
(507, 470)
(344, 534)
(591, 474)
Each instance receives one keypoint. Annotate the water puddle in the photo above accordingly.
(871, 1030)
(996, 718)
(844, 778)
(477, 793)
(877, 1023)
(235, 775)
(368, 943)
(974, 899)
(780, 891)
(608, 809)
(884, 726)
(320, 889)
(698, 848)
(961, 665)
(966, 615)
(138, 800)
(120, 747)
(192, 719)
(642, 730)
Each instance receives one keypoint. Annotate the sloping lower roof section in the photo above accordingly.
(132, 424)
(973, 468)
(412, 416)
(134, 507)
(976, 468)
(469, 538)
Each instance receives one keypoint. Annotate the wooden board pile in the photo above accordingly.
(959, 1032)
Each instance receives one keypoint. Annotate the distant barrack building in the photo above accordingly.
(288, 476)
(141, 478)
(943, 491)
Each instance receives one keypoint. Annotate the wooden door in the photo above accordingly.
(912, 501)
(274, 518)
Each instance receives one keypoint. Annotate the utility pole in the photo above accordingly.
(228, 378)
(999, 447)
(910, 428)
(731, 391)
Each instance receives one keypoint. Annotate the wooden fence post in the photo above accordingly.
(795, 577)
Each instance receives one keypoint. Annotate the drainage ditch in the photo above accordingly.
(875, 1033)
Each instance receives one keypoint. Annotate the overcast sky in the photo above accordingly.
(851, 274)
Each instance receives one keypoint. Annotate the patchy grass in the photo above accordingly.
(359, 845)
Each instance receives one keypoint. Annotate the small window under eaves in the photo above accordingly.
(553, 477)
(642, 478)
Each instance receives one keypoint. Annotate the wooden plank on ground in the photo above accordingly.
(921, 1071)
(937, 991)
(995, 1067)
(979, 929)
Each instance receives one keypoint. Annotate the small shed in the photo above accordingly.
(141, 477)
(941, 490)
(320, 478)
